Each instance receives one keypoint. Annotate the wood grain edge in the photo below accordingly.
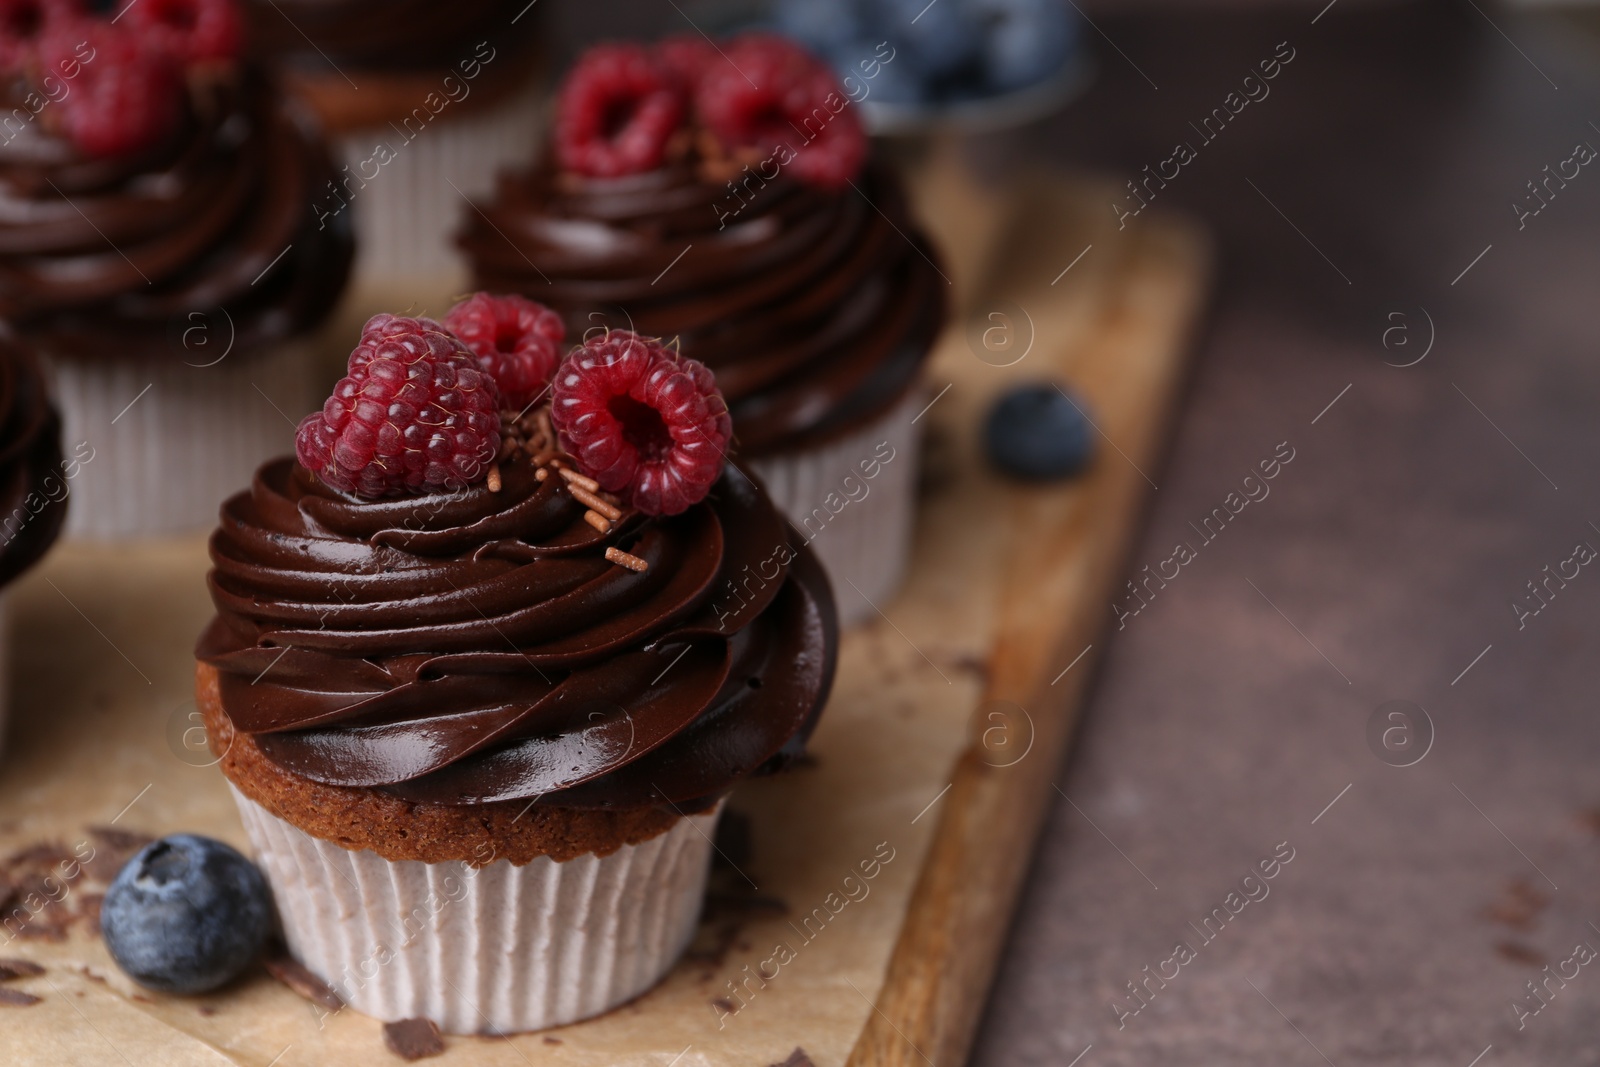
(945, 957)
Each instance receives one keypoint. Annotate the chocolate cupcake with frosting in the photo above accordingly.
(727, 199)
(158, 245)
(510, 647)
(35, 479)
(426, 101)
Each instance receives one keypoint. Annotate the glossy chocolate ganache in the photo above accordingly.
(34, 477)
(99, 256)
(476, 646)
(381, 34)
(815, 307)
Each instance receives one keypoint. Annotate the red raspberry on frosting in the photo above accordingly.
(415, 414)
(24, 24)
(125, 97)
(516, 340)
(642, 420)
(617, 109)
(689, 56)
(190, 31)
(771, 92)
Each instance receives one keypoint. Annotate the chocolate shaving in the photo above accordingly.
(413, 1039)
(10, 969)
(292, 973)
(16, 998)
(797, 1058)
(1519, 953)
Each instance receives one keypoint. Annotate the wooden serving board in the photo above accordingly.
(862, 913)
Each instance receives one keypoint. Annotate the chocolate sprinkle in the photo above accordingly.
(16, 998)
(413, 1039)
(292, 973)
(10, 969)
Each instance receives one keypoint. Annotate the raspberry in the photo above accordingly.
(771, 93)
(642, 420)
(125, 97)
(688, 56)
(190, 31)
(516, 340)
(24, 23)
(618, 107)
(415, 414)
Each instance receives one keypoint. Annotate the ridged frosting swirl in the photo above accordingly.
(100, 255)
(815, 308)
(477, 646)
(34, 482)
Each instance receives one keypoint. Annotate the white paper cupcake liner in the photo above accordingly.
(860, 523)
(494, 950)
(171, 440)
(407, 215)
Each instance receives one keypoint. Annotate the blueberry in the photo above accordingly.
(942, 36)
(1027, 40)
(1036, 433)
(186, 915)
(824, 25)
(868, 78)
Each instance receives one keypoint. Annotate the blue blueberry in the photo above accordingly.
(942, 36)
(1034, 432)
(186, 915)
(824, 25)
(861, 71)
(1027, 40)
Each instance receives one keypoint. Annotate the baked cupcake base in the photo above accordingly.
(492, 949)
(854, 500)
(492, 919)
(172, 439)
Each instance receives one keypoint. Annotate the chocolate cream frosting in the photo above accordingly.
(473, 647)
(101, 255)
(814, 308)
(33, 476)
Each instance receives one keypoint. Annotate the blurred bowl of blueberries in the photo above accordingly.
(962, 66)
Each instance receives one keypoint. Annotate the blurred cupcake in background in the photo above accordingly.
(723, 197)
(158, 247)
(426, 100)
(35, 480)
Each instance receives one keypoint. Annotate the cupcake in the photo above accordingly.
(729, 202)
(158, 247)
(486, 661)
(427, 101)
(35, 479)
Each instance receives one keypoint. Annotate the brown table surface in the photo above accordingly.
(1233, 710)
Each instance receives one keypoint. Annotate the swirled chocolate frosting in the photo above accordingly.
(33, 477)
(392, 34)
(477, 646)
(101, 255)
(814, 308)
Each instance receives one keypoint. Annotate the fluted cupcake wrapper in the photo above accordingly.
(407, 210)
(854, 500)
(496, 949)
(172, 440)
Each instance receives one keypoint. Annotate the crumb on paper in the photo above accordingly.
(16, 998)
(413, 1039)
(292, 973)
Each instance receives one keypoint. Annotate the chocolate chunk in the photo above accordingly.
(16, 998)
(10, 969)
(797, 1058)
(413, 1039)
(293, 974)
(1519, 953)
